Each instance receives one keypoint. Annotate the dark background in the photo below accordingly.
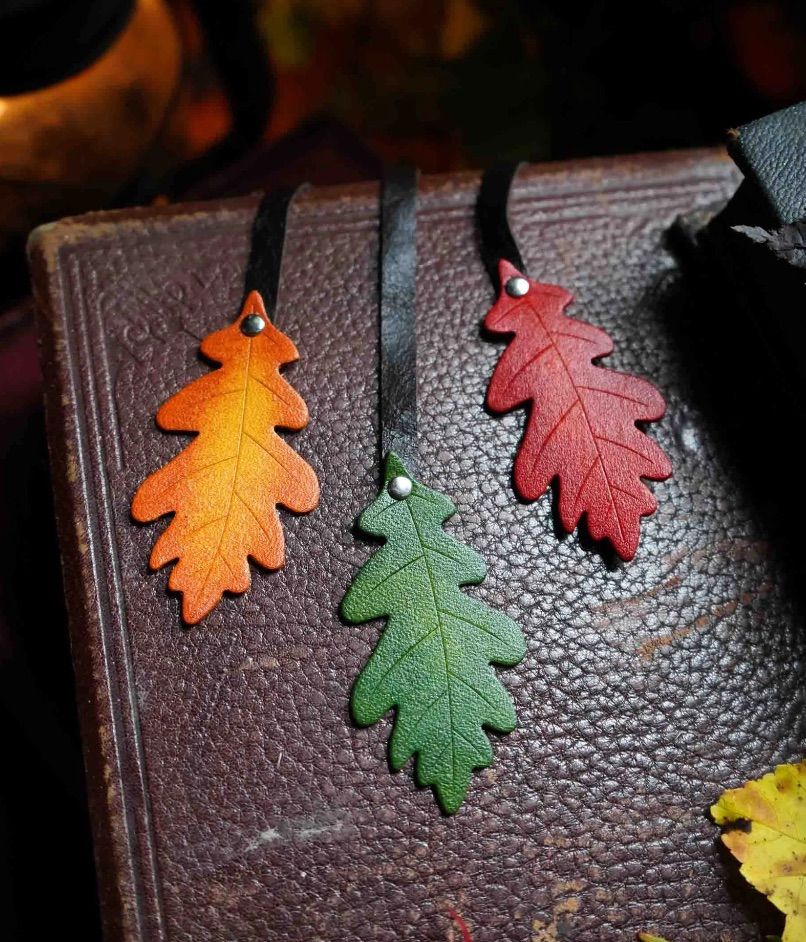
(459, 83)
(347, 84)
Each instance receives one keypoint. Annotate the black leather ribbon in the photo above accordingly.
(398, 305)
(497, 241)
(266, 249)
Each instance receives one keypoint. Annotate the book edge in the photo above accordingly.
(115, 861)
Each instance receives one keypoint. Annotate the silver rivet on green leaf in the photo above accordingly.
(399, 487)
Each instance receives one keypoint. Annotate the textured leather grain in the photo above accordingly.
(771, 153)
(233, 798)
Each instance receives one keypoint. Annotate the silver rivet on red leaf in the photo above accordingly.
(516, 287)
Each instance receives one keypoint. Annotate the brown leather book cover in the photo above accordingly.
(233, 798)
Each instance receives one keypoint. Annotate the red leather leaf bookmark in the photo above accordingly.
(581, 428)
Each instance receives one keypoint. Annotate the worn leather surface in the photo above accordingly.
(233, 798)
(770, 152)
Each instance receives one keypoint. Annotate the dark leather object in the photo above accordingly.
(771, 152)
(232, 796)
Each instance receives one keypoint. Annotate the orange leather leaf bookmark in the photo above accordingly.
(224, 487)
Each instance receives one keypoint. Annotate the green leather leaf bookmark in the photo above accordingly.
(433, 661)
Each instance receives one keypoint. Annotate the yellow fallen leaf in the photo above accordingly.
(771, 843)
